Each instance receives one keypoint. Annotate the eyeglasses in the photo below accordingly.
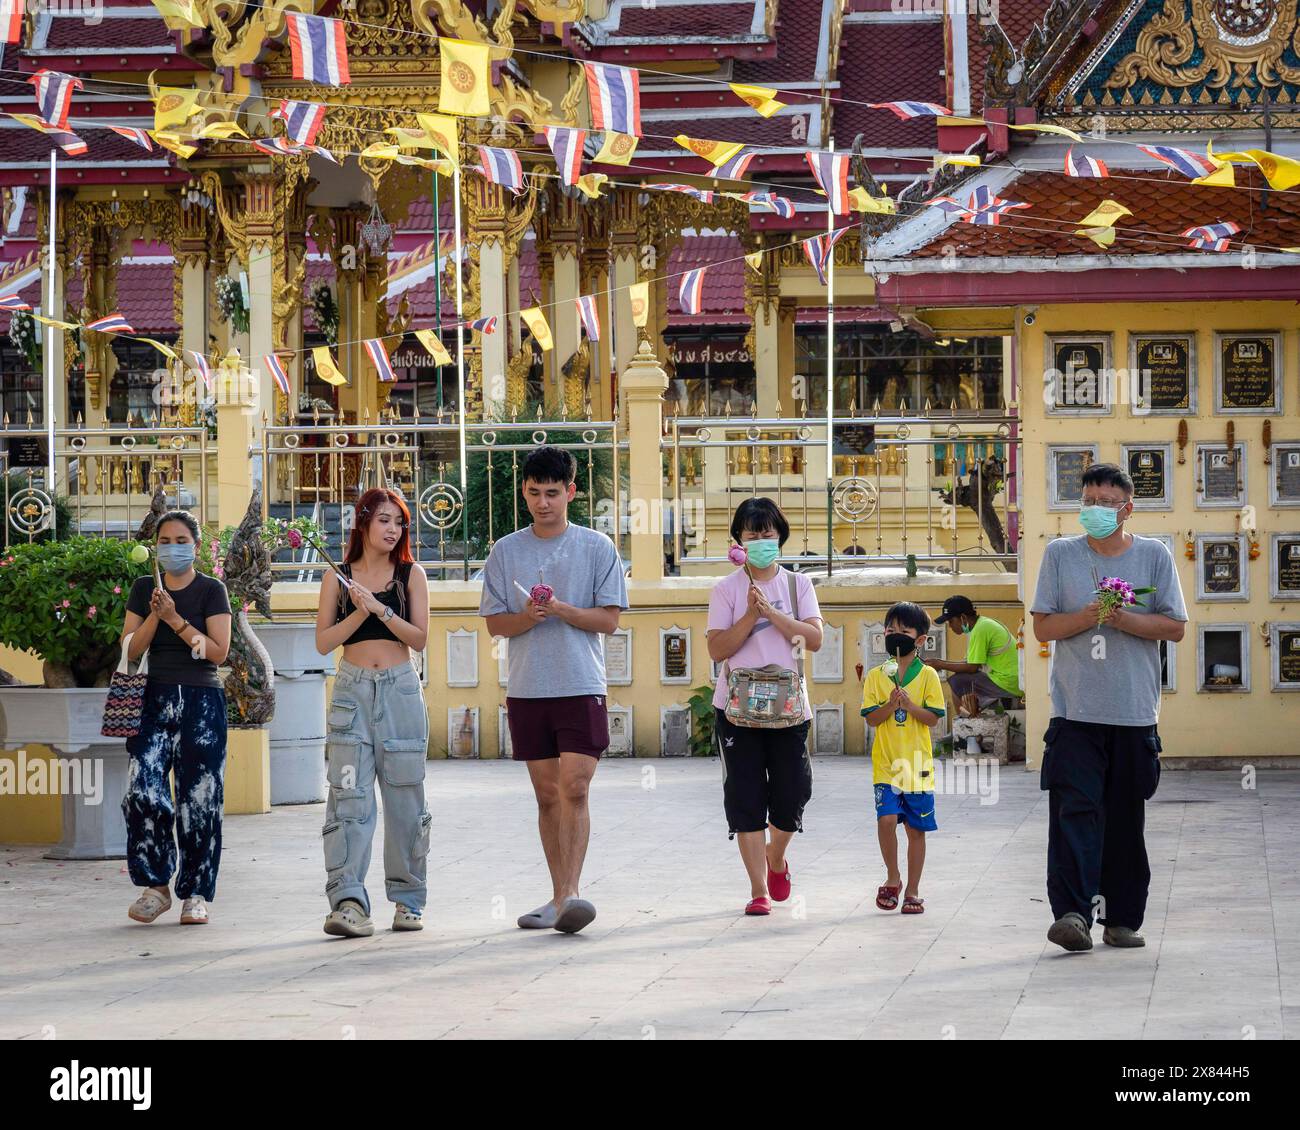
(1117, 506)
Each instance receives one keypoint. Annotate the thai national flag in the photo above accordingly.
(204, 369)
(484, 325)
(831, 171)
(1212, 237)
(379, 359)
(54, 96)
(590, 318)
(985, 209)
(273, 366)
(319, 49)
(782, 206)
(735, 168)
(907, 110)
(502, 166)
(110, 324)
(11, 21)
(615, 94)
(131, 133)
(276, 146)
(1180, 160)
(566, 145)
(1084, 166)
(819, 248)
(302, 120)
(704, 195)
(691, 295)
(12, 302)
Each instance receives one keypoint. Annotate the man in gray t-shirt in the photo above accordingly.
(1101, 759)
(555, 696)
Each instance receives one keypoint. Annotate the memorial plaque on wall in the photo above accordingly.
(1166, 371)
(1246, 373)
(1149, 469)
(1286, 566)
(1285, 485)
(1286, 652)
(1065, 467)
(1221, 566)
(674, 655)
(1080, 367)
(26, 452)
(1221, 478)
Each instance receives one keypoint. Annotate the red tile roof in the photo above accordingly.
(1017, 19)
(798, 31)
(870, 71)
(724, 281)
(727, 21)
(73, 33)
(1162, 208)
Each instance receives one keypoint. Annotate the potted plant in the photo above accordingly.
(66, 602)
(703, 718)
(230, 303)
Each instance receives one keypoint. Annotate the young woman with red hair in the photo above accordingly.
(378, 725)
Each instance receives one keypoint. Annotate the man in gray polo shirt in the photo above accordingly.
(1101, 763)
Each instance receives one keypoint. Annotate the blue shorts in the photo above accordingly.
(916, 810)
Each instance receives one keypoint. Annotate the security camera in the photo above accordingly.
(1029, 319)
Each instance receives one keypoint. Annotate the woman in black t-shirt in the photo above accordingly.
(185, 627)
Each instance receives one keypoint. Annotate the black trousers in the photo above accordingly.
(766, 775)
(1100, 778)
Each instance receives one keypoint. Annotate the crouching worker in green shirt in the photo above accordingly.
(992, 668)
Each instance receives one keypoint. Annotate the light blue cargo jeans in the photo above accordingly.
(378, 728)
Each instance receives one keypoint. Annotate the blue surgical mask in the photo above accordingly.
(761, 552)
(176, 558)
(1098, 521)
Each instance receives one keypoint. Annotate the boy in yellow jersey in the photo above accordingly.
(902, 699)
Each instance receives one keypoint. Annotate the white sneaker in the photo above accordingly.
(194, 912)
(149, 905)
(404, 918)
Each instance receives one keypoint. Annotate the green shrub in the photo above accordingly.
(66, 601)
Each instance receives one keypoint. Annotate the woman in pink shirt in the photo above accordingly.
(767, 773)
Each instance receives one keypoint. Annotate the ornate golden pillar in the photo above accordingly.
(487, 228)
(259, 227)
(785, 319)
(56, 344)
(563, 313)
(594, 280)
(190, 300)
(626, 247)
(349, 266)
(762, 302)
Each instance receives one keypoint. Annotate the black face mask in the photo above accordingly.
(899, 643)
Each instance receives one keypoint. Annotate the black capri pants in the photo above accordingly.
(766, 775)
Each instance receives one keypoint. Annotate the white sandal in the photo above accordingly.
(149, 905)
(404, 918)
(349, 920)
(194, 912)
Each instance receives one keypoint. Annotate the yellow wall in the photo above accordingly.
(1261, 723)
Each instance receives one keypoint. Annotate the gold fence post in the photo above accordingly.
(645, 382)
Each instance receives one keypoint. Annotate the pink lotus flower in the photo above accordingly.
(295, 539)
(737, 555)
(540, 594)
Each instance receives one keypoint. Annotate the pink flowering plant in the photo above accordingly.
(277, 535)
(1115, 592)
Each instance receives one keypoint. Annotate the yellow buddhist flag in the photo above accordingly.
(219, 130)
(1222, 177)
(433, 343)
(755, 260)
(715, 152)
(862, 201)
(590, 184)
(55, 322)
(439, 132)
(968, 160)
(639, 295)
(761, 99)
(1105, 215)
(325, 367)
(379, 151)
(616, 149)
(1293, 250)
(177, 13)
(172, 143)
(1280, 172)
(173, 106)
(465, 82)
(1044, 127)
(535, 320)
(166, 350)
(1102, 237)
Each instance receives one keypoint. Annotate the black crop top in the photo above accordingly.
(393, 596)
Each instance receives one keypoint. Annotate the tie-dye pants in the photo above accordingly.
(183, 732)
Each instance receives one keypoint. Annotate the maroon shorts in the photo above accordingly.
(546, 727)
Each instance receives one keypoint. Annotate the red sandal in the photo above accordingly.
(760, 905)
(778, 886)
(913, 905)
(887, 897)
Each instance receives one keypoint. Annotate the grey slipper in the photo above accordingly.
(543, 918)
(1125, 937)
(576, 914)
(1071, 932)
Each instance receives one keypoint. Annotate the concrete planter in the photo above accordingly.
(68, 721)
(298, 729)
